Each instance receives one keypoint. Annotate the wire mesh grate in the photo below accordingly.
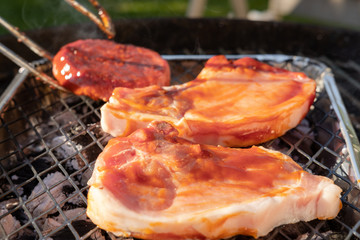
(49, 141)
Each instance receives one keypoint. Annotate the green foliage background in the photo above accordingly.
(35, 14)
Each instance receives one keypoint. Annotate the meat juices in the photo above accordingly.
(94, 67)
(156, 185)
(230, 103)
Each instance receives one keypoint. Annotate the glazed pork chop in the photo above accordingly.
(230, 103)
(94, 67)
(156, 185)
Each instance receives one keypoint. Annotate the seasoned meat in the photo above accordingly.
(237, 103)
(156, 185)
(95, 67)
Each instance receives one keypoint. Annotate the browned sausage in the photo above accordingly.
(94, 67)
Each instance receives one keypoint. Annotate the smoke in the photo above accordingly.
(53, 13)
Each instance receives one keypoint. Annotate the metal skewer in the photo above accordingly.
(22, 63)
(27, 41)
(104, 23)
(25, 66)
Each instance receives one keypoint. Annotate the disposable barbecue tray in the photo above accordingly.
(49, 141)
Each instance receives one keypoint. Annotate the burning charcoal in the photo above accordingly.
(304, 128)
(19, 124)
(78, 213)
(303, 137)
(42, 203)
(65, 118)
(65, 149)
(10, 204)
(278, 145)
(34, 149)
(99, 236)
(9, 223)
(241, 237)
(51, 224)
(354, 197)
(90, 154)
(72, 165)
(294, 230)
(97, 131)
(327, 235)
(77, 201)
(348, 216)
(81, 226)
(12, 161)
(85, 177)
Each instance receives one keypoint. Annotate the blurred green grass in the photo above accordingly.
(35, 14)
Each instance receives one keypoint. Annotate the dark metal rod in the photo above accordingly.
(22, 63)
(27, 41)
(13, 86)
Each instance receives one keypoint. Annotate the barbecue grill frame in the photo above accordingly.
(281, 59)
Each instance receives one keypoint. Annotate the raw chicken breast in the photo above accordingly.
(155, 185)
(237, 103)
(94, 67)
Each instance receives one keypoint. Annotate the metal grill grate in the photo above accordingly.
(49, 141)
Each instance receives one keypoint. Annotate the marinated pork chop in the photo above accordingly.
(237, 103)
(155, 185)
(95, 67)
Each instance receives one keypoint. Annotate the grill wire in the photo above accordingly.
(50, 140)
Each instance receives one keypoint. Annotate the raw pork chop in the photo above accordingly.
(238, 103)
(94, 67)
(155, 185)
